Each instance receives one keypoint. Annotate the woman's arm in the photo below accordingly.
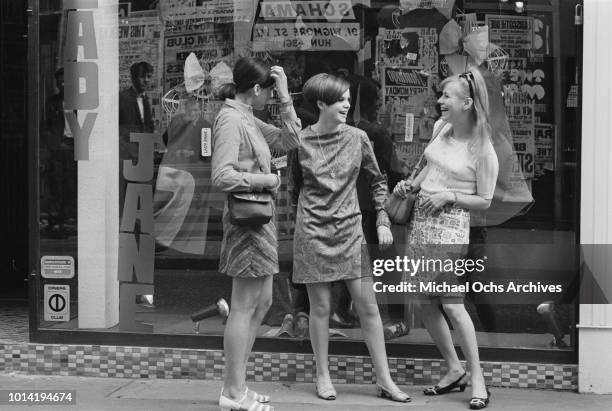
(226, 174)
(285, 138)
(369, 166)
(378, 190)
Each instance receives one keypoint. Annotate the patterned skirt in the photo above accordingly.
(248, 252)
(442, 237)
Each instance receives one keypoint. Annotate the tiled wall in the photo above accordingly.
(151, 362)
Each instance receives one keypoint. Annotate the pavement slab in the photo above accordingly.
(119, 394)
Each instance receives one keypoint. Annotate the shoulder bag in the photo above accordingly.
(250, 208)
(400, 209)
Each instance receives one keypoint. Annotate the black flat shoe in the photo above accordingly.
(480, 403)
(437, 390)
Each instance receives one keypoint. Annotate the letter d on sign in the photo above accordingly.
(75, 99)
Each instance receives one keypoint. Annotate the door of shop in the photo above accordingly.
(13, 150)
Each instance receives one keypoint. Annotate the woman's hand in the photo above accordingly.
(385, 238)
(280, 78)
(435, 202)
(402, 188)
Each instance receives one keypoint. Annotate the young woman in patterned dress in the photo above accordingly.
(328, 241)
(241, 162)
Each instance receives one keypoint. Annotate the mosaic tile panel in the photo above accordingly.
(153, 362)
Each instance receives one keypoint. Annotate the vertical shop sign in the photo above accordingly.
(136, 233)
(81, 72)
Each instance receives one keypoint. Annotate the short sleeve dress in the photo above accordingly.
(328, 239)
(452, 166)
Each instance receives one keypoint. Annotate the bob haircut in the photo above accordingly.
(326, 88)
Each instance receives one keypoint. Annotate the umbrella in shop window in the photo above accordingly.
(468, 45)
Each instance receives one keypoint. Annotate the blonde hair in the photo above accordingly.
(475, 87)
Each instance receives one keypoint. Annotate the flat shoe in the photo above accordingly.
(480, 403)
(398, 396)
(258, 397)
(244, 404)
(326, 391)
(437, 390)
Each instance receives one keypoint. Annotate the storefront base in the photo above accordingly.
(595, 361)
(153, 362)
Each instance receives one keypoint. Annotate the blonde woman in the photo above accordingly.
(460, 176)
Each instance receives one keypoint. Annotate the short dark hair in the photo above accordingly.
(140, 68)
(326, 88)
(247, 73)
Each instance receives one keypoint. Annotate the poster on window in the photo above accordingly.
(306, 36)
(140, 40)
(218, 11)
(210, 45)
(408, 154)
(520, 111)
(405, 92)
(532, 76)
(514, 34)
(409, 47)
(544, 148)
(330, 10)
(542, 34)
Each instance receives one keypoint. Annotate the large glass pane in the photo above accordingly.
(173, 56)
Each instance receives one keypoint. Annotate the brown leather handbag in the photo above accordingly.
(399, 209)
(250, 209)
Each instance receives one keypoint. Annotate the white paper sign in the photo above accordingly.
(408, 136)
(205, 145)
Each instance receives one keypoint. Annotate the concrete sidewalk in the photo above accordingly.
(152, 394)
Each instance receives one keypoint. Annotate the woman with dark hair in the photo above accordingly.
(328, 239)
(241, 162)
(460, 176)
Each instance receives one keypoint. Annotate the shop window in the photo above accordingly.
(172, 55)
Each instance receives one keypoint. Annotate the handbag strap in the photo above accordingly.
(436, 133)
